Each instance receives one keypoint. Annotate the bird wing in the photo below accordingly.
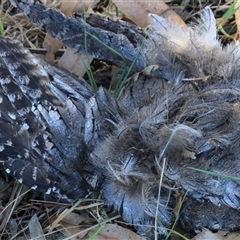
(41, 125)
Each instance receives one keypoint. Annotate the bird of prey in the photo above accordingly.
(174, 126)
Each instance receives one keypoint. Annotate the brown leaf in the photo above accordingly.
(75, 62)
(138, 11)
(115, 232)
(52, 45)
(76, 219)
(230, 236)
(207, 234)
(68, 224)
(68, 7)
(36, 231)
(71, 231)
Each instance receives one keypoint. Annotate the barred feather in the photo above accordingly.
(37, 147)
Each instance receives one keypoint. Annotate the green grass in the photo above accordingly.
(215, 174)
(226, 16)
(125, 71)
(2, 17)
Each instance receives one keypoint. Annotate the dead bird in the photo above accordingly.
(173, 119)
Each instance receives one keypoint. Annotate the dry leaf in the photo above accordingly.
(68, 7)
(52, 45)
(68, 224)
(75, 62)
(138, 10)
(72, 232)
(220, 235)
(230, 236)
(76, 219)
(115, 232)
(35, 229)
(207, 235)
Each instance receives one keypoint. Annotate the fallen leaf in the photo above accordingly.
(207, 235)
(68, 223)
(68, 7)
(138, 10)
(115, 232)
(230, 236)
(76, 219)
(35, 228)
(75, 62)
(72, 232)
(52, 46)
